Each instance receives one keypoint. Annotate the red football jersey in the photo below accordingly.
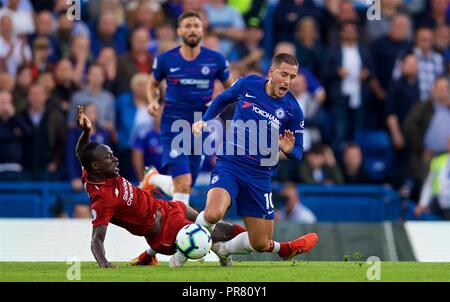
(117, 201)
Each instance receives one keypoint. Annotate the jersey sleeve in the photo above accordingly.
(101, 210)
(297, 125)
(158, 68)
(227, 97)
(223, 73)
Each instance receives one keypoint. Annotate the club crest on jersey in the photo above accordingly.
(214, 179)
(205, 70)
(280, 113)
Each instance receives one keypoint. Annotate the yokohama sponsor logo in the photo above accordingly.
(273, 120)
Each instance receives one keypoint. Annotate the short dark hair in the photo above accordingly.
(284, 57)
(87, 155)
(406, 54)
(188, 14)
(317, 148)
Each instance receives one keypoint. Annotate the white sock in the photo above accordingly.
(238, 245)
(164, 182)
(202, 221)
(276, 247)
(181, 197)
(151, 252)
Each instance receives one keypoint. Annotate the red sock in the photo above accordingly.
(285, 250)
(238, 229)
(145, 258)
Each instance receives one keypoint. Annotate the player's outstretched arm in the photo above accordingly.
(97, 247)
(153, 96)
(85, 124)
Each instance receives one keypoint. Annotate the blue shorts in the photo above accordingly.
(176, 161)
(249, 189)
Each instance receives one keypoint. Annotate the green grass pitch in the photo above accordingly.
(241, 271)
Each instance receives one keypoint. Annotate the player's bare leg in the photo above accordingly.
(182, 186)
(259, 239)
(152, 180)
(217, 202)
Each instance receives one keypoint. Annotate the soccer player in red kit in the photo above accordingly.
(115, 200)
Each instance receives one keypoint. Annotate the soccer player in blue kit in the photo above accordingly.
(245, 179)
(190, 71)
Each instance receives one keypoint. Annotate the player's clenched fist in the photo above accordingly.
(82, 120)
(197, 128)
(153, 108)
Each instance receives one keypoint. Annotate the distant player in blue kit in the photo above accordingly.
(190, 71)
(245, 178)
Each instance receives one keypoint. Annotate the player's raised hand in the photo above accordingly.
(197, 128)
(286, 141)
(82, 120)
(154, 108)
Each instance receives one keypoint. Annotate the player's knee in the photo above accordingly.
(213, 216)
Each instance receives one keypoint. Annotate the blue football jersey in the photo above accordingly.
(190, 84)
(255, 105)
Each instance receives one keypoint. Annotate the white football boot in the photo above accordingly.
(225, 260)
(177, 260)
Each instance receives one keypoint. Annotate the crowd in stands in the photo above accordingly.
(375, 93)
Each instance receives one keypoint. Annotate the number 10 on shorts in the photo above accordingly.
(269, 203)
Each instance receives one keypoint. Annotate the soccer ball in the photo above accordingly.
(194, 241)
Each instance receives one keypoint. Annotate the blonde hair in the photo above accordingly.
(138, 77)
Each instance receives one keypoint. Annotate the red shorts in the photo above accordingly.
(172, 220)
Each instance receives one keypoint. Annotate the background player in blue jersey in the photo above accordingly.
(190, 71)
(246, 179)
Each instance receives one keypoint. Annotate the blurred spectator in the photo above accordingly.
(20, 92)
(166, 38)
(427, 127)
(138, 59)
(108, 60)
(314, 116)
(352, 164)
(12, 129)
(226, 22)
(65, 86)
(98, 134)
(403, 94)
(287, 14)
(96, 94)
(7, 81)
(309, 48)
(13, 51)
(46, 80)
(293, 210)
(435, 195)
(320, 167)
(132, 116)
(43, 149)
(431, 63)
(113, 7)
(80, 57)
(146, 147)
(437, 15)
(336, 13)
(22, 19)
(442, 39)
(387, 49)
(107, 33)
(146, 14)
(67, 30)
(347, 70)
(211, 40)
(40, 61)
(378, 28)
(44, 29)
(249, 54)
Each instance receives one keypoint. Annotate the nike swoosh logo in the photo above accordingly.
(270, 212)
(174, 69)
(249, 96)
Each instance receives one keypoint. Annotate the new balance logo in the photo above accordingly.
(249, 96)
(174, 69)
